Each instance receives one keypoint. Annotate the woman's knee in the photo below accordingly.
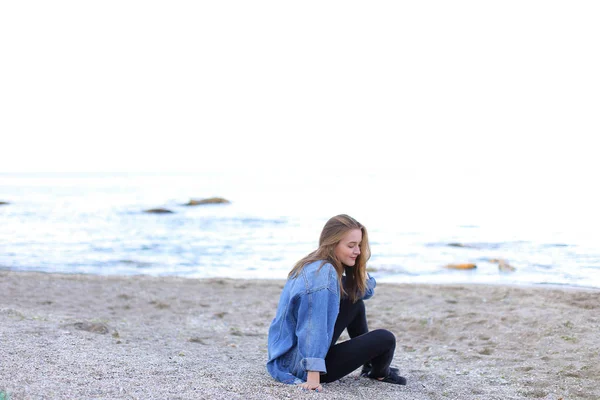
(385, 337)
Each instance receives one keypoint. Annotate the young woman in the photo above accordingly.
(323, 296)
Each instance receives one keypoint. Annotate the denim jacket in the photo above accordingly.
(301, 332)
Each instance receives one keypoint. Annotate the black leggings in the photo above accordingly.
(376, 347)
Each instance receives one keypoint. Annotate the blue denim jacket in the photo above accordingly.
(301, 332)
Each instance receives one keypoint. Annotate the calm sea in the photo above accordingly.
(94, 223)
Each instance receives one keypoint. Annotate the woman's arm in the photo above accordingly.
(317, 313)
(370, 291)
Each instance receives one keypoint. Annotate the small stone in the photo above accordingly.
(160, 305)
(236, 332)
(95, 327)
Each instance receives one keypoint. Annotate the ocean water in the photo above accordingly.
(94, 223)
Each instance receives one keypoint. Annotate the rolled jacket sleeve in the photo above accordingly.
(316, 319)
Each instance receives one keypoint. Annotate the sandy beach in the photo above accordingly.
(138, 337)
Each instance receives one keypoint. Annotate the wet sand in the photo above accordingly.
(137, 337)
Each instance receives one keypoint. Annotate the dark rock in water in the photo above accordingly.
(95, 327)
(3, 203)
(158, 211)
(210, 200)
(461, 266)
(504, 266)
(469, 246)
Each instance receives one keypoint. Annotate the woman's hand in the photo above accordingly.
(312, 382)
(311, 386)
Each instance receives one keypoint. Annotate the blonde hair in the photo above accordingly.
(333, 232)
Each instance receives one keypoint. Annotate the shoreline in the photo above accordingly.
(434, 283)
(140, 336)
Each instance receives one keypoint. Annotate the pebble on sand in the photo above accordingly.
(94, 327)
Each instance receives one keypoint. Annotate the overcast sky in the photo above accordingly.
(475, 86)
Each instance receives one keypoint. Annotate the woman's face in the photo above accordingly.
(348, 249)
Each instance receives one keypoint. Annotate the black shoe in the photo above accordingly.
(392, 377)
(366, 369)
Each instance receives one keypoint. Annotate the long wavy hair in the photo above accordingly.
(333, 232)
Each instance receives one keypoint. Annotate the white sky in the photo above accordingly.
(479, 86)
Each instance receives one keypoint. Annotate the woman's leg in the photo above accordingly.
(352, 316)
(376, 346)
